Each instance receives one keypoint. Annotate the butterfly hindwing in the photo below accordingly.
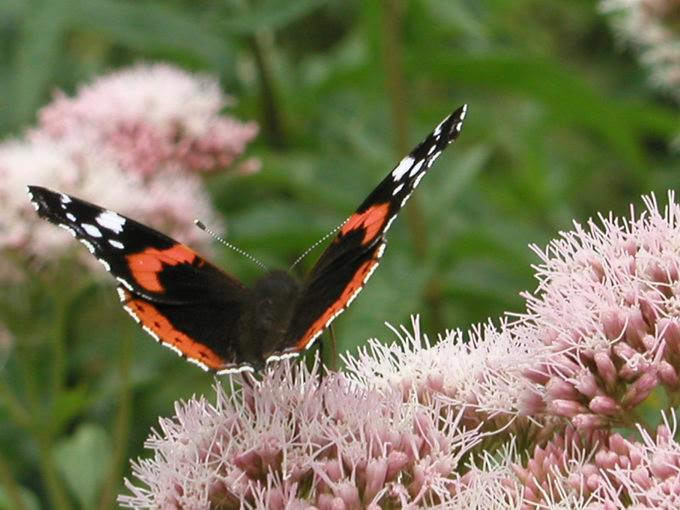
(179, 298)
(352, 256)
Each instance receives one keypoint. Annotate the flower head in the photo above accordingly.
(647, 26)
(290, 441)
(129, 142)
(606, 311)
(152, 118)
(481, 373)
(407, 425)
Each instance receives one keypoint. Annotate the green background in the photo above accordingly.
(562, 125)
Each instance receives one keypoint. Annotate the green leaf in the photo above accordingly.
(69, 404)
(458, 174)
(153, 26)
(271, 15)
(37, 56)
(569, 98)
(83, 460)
(11, 8)
(392, 294)
(28, 499)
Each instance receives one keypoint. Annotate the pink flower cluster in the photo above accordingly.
(604, 470)
(606, 312)
(153, 117)
(480, 374)
(292, 441)
(516, 416)
(650, 27)
(599, 470)
(132, 142)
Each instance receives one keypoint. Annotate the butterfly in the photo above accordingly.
(210, 317)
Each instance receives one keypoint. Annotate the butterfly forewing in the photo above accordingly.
(177, 296)
(353, 255)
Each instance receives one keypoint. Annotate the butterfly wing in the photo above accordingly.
(353, 255)
(177, 296)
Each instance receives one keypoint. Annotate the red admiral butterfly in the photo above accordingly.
(210, 317)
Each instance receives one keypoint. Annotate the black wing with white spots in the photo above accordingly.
(349, 261)
(177, 296)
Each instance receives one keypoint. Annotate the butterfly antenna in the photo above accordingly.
(311, 248)
(202, 226)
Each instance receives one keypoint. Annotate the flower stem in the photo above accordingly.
(16, 410)
(121, 428)
(54, 486)
(11, 486)
(272, 122)
(58, 338)
(397, 91)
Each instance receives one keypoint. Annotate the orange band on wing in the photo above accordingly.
(160, 326)
(372, 221)
(354, 286)
(146, 266)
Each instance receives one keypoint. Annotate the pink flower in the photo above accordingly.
(606, 311)
(598, 470)
(480, 374)
(152, 118)
(129, 142)
(604, 469)
(291, 441)
(169, 202)
(648, 26)
(650, 474)
(601, 332)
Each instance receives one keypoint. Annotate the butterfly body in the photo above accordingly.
(267, 318)
(210, 317)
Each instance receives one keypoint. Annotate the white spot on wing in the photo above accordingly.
(132, 314)
(196, 362)
(70, 217)
(438, 129)
(33, 202)
(124, 282)
(416, 168)
(398, 189)
(67, 228)
(91, 230)
(112, 221)
(151, 332)
(64, 199)
(235, 369)
(279, 357)
(403, 167)
(173, 348)
(87, 244)
(116, 244)
(389, 224)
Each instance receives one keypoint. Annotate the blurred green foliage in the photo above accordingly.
(561, 126)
